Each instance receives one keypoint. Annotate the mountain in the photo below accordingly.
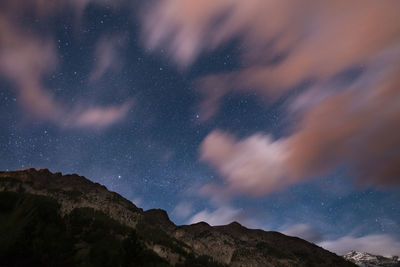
(49, 219)
(369, 260)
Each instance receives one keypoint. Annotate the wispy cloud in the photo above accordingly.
(223, 215)
(100, 117)
(378, 244)
(107, 56)
(183, 210)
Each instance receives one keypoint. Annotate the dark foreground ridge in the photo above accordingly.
(49, 219)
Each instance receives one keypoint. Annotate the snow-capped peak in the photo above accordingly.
(364, 259)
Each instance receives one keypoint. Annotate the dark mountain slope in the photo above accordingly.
(53, 220)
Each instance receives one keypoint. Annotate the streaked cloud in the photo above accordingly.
(350, 120)
(28, 57)
(357, 127)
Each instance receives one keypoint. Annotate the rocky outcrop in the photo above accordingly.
(233, 244)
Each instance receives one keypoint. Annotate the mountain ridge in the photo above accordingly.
(232, 244)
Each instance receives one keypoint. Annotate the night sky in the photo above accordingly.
(282, 115)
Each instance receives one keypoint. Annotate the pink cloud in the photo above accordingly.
(26, 58)
(100, 117)
(316, 40)
(107, 56)
(255, 165)
(343, 128)
(184, 21)
(357, 126)
(285, 43)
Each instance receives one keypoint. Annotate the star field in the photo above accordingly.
(134, 116)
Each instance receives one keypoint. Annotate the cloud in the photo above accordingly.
(182, 210)
(305, 36)
(137, 201)
(378, 244)
(303, 231)
(223, 215)
(165, 25)
(357, 127)
(341, 118)
(220, 216)
(255, 165)
(100, 117)
(26, 58)
(107, 56)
